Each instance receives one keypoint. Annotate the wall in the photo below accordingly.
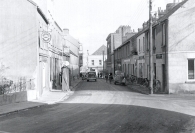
(18, 38)
(181, 47)
(73, 44)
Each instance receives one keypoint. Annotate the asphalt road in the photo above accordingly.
(100, 107)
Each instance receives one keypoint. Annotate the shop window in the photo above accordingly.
(140, 70)
(191, 69)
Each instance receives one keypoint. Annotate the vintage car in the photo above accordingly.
(91, 75)
(119, 78)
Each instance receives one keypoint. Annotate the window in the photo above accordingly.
(139, 46)
(147, 41)
(100, 62)
(191, 69)
(143, 44)
(154, 38)
(163, 35)
(140, 70)
(92, 62)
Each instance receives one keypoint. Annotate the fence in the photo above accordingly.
(7, 86)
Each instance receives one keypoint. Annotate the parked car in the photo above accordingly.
(91, 76)
(119, 78)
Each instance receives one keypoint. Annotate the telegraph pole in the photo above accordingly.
(103, 63)
(151, 48)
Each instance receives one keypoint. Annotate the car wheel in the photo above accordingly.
(115, 83)
(87, 80)
(95, 80)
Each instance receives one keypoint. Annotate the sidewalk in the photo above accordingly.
(47, 98)
(139, 88)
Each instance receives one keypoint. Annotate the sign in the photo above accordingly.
(158, 56)
(141, 57)
(127, 60)
(46, 37)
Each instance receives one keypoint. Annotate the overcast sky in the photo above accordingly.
(91, 21)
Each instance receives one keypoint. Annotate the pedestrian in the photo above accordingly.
(106, 76)
(110, 77)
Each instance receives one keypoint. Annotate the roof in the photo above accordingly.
(99, 51)
(175, 8)
(166, 16)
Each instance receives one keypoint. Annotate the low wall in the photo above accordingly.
(16, 97)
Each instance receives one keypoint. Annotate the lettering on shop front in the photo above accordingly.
(159, 56)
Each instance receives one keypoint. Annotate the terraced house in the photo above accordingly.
(33, 48)
(173, 49)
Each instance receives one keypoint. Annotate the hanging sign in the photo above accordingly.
(46, 37)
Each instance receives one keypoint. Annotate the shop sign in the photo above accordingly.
(141, 57)
(46, 37)
(127, 60)
(158, 56)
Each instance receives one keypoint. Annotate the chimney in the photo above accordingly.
(144, 25)
(66, 31)
(139, 29)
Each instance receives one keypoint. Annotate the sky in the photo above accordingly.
(91, 21)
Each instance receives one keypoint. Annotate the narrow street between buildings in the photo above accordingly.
(100, 107)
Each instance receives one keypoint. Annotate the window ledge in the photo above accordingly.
(190, 82)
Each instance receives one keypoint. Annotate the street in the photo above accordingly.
(100, 107)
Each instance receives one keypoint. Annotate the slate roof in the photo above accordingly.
(99, 51)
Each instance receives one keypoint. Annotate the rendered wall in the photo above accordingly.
(18, 38)
(181, 47)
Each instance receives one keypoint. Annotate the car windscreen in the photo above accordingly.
(91, 74)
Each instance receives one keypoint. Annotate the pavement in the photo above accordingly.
(50, 97)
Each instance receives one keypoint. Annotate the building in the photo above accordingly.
(114, 40)
(74, 47)
(34, 48)
(173, 49)
(95, 61)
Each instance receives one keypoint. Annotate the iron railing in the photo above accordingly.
(8, 86)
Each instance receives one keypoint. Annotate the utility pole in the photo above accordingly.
(151, 47)
(103, 64)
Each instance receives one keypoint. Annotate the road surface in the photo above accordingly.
(100, 107)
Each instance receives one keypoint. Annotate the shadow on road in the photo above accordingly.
(96, 118)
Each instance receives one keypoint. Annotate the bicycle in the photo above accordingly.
(156, 86)
(145, 82)
(133, 79)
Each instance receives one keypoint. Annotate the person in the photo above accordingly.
(110, 77)
(106, 76)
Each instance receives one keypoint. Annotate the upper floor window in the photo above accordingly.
(154, 37)
(139, 46)
(100, 62)
(143, 44)
(163, 34)
(147, 41)
(92, 62)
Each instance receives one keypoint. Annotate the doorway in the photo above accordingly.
(163, 77)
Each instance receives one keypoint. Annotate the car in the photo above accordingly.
(119, 78)
(91, 75)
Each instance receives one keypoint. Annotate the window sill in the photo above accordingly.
(190, 82)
